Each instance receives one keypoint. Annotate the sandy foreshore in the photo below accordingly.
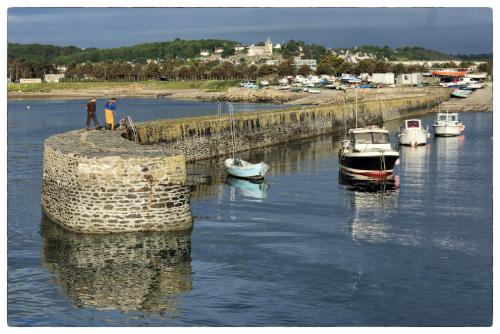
(480, 100)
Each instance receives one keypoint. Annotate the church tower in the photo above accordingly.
(268, 46)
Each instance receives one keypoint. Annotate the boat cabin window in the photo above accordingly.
(412, 124)
(453, 118)
(370, 138)
(380, 138)
(442, 117)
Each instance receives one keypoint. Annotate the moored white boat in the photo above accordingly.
(413, 134)
(448, 125)
(243, 169)
(368, 153)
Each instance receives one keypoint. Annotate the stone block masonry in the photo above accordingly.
(99, 182)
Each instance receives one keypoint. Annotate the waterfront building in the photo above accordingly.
(53, 78)
(411, 78)
(383, 78)
(30, 80)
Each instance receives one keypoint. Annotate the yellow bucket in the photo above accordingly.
(110, 119)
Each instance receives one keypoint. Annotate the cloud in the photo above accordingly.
(111, 27)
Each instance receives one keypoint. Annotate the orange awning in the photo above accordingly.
(449, 73)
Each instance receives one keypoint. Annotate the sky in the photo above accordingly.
(450, 30)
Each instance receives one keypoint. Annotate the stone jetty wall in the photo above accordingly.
(205, 137)
(99, 182)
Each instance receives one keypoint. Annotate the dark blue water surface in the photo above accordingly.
(307, 247)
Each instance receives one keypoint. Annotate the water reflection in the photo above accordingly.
(247, 188)
(414, 164)
(371, 202)
(127, 272)
(304, 156)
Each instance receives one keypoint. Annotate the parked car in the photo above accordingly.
(250, 85)
(248, 82)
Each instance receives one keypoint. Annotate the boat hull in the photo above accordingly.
(248, 171)
(448, 130)
(370, 165)
(413, 137)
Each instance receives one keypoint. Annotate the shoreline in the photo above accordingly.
(479, 100)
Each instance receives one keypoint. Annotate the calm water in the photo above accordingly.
(304, 248)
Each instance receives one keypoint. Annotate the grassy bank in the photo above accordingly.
(210, 85)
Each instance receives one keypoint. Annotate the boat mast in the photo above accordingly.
(356, 108)
(232, 126)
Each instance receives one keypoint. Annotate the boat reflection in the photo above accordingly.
(371, 201)
(249, 188)
(125, 271)
(415, 162)
(363, 184)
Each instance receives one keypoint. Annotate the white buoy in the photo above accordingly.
(28, 107)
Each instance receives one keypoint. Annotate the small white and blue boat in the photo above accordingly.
(241, 168)
(246, 170)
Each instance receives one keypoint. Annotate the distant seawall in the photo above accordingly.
(99, 182)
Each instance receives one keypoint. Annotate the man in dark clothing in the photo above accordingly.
(91, 108)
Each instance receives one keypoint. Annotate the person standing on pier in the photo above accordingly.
(91, 108)
(109, 113)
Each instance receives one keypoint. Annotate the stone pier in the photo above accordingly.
(98, 182)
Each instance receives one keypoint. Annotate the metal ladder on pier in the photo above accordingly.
(131, 129)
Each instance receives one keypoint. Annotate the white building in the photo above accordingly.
(383, 78)
(272, 62)
(30, 80)
(54, 78)
(266, 50)
(219, 50)
(61, 68)
(277, 46)
(204, 53)
(239, 48)
(301, 62)
(411, 78)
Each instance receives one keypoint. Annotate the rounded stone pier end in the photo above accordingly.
(98, 182)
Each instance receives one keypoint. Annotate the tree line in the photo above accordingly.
(329, 64)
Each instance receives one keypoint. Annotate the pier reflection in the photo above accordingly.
(127, 271)
(371, 202)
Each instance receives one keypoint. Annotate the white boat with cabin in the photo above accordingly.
(448, 125)
(413, 134)
(368, 153)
